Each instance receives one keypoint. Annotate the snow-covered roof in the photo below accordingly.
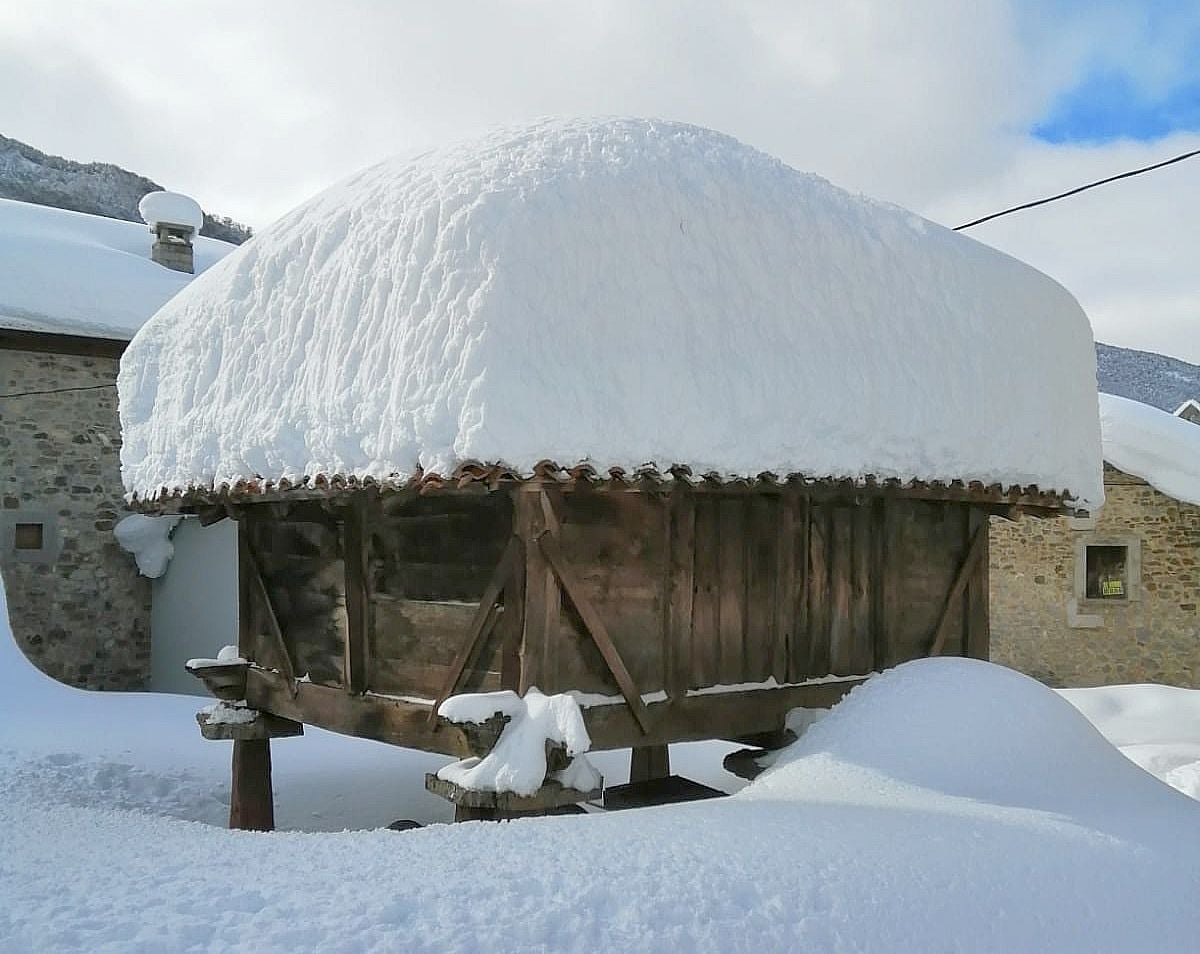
(71, 273)
(1162, 449)
(1188, 409)
(621, 292)
(172, 207)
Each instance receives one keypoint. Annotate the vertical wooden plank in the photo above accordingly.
(978, 630)
(251, 805)
(681, 582)
(705, 600)
(880, 623)
(762, 566)
(841, 567)
(819, 551)
(732, 590)
(356, 662)
(785, 586)
(862, 652)
(893, 590)
(800, 645)
(543, 601)
(511, 626)
(247, 629)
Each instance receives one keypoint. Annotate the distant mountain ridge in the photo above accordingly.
(1153, 379)
(100, 188)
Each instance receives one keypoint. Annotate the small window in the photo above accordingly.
(1107, 572)
(28, 536)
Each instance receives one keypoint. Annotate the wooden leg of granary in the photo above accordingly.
(648, 762)
(251, 804)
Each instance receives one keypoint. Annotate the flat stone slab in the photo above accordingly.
(264, 726)
(550, 795)
(657, 791)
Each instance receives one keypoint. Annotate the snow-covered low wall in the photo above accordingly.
(618, 291)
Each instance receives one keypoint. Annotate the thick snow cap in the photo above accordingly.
(171, 207)
(1162, 449)
(619, 292)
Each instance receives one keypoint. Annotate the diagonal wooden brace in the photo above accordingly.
(548, 542)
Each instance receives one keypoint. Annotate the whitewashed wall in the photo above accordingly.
(194, 607)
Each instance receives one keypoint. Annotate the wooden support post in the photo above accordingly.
(251, 804)
(978, 631)
(647, 762)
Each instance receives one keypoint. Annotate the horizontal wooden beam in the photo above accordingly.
(717, 716)
(398, 722)
(368, 716)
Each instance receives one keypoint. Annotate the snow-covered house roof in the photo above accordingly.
(1189, 410)
(71, 273)
(1162, 449)
(618, 292)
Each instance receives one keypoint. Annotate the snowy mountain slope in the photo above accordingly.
(99, 188)
(1160, 381)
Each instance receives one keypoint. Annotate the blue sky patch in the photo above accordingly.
(1108, 105)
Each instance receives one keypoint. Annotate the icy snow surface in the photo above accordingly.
(149, 540)
(948, 805)
(621, 291)
(171, 207)
(517, 763)
(1162, 449)
(71, 273)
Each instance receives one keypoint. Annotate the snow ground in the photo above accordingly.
(988, 817)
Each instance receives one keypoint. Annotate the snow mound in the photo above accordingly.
(1162, 449)
(967, 729)
(517, 763)
(70, 273)
(618, 291)
(171, 207)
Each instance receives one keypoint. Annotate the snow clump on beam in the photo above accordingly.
(173, 208)
(619, 292)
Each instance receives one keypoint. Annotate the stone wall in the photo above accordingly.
(79, 609)
(1041, 626)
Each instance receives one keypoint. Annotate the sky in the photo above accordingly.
(952, 108)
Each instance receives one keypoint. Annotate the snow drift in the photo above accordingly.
(72, 273)
(622, 292)
(1162, 449)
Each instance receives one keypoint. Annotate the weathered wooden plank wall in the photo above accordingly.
(692, 589)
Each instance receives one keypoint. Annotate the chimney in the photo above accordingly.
(174, 219)
(173, 246)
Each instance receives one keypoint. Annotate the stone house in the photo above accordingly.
(1112, 597)
(73, 290)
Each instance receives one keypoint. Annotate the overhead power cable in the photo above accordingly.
(90, 387)
(1082, 188)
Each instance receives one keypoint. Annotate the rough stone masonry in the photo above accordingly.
(1043, 625)
(79, 609)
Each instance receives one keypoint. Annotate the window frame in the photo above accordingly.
(1133, 568)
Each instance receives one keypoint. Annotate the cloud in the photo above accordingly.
(253, 106)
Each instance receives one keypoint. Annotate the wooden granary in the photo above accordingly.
(441, 483)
